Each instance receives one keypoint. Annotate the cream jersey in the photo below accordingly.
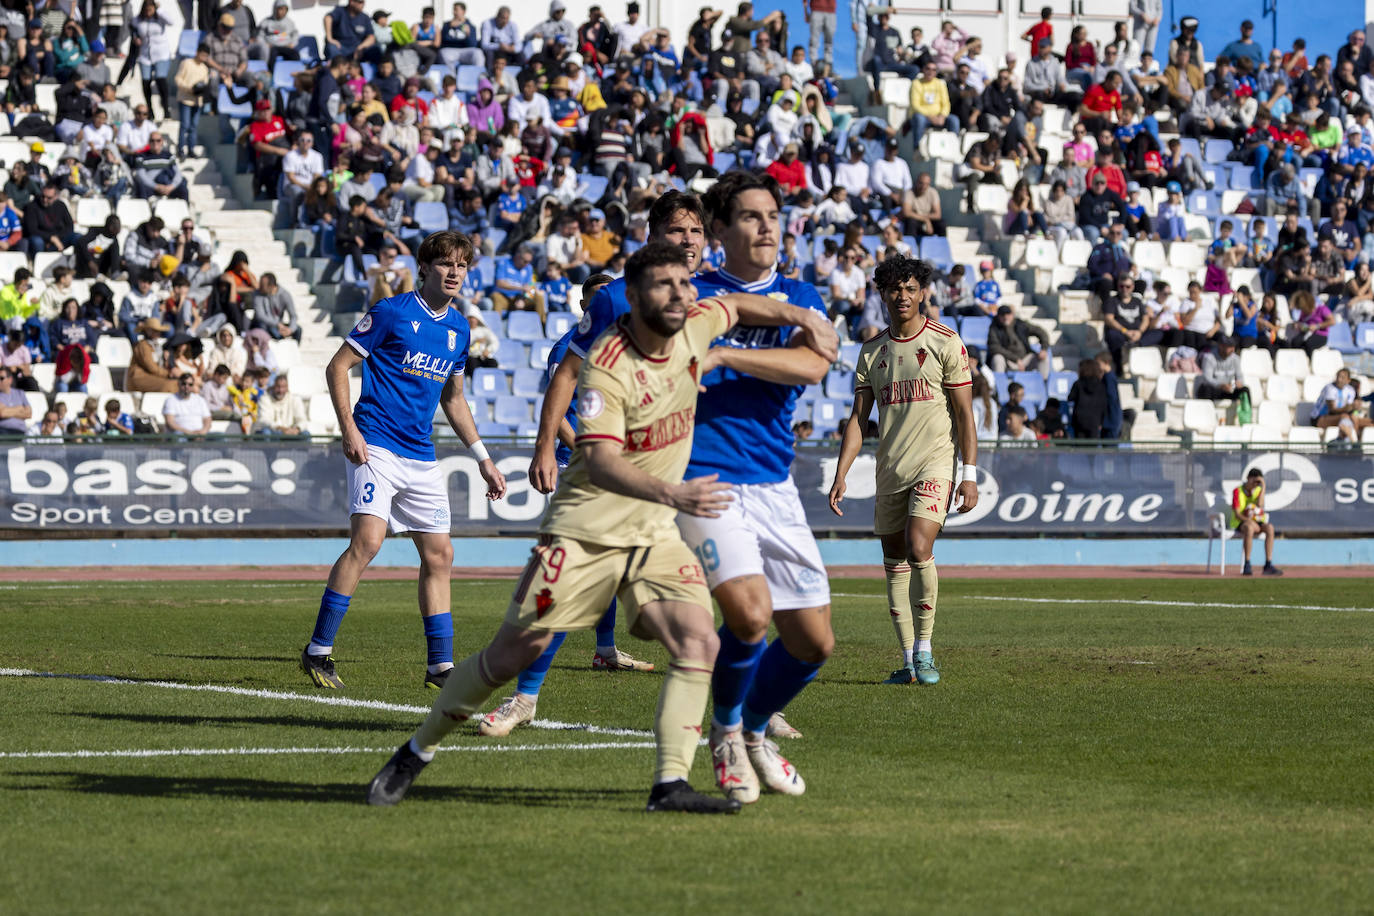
(647, 405)
(909, 378)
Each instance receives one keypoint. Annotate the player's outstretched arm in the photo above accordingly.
(459, 415)
(851, 441)
(336, 377)
(813, 326)
(961, 399)
(552, 418)
(702, 496)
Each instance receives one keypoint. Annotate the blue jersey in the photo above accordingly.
(562, 454)
(987, 292)
(408, 353)
(744, 424)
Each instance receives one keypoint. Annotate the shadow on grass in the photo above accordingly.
(148, 786)
(357, 725)
(234, 658)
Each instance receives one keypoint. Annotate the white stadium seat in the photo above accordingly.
(1146, 362)
(1326, 363)
(991, 198)
(98, 382)
(1282, 389)
(44, 374)
(114, 352)
(1255, 364)
(1149, 256)
(1292, 363)
(1075, 253)
(307, 381)
(1312, 385)
(1265, 435)
(151, 404)
(1279, 416)
(1186, 256)
(92, 212)
(1172, 388)
(1199, 416)
(133, 212)
(896, 91)
(1041, 253)
(1231, 435)
(940, 144)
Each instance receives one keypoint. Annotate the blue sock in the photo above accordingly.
(439, 637)
(333, 607)
(532, 678)
(605, 628)
(781, 676)
(735, 667)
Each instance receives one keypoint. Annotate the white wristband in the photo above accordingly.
(479, 451)
(971, 472)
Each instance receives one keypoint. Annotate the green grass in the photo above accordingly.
(1077, 757)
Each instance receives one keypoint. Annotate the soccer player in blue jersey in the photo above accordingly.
(761, 560)
(520, 707)
(412, 348)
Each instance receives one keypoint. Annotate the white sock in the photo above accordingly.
(313, 649)
(754, 737)
(606, 651)
(532, 697)
(717, 727)
(426, 756)
(442, 666)
(909, 655)
(923, 645)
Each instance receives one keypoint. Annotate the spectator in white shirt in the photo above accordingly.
(629, 32)
(890, 177)
(299, 167)
(186, 412)
(847, 285)
(798, 67)
(135, 134)
(529, 106)
(978, 72)
(565, 249)
(280, 413)
(448, 114)
(834, 210)
(1017, 430)
(92, 139)
(853, 175)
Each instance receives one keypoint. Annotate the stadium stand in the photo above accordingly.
(172, 202)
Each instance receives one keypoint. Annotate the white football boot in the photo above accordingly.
(734, 774)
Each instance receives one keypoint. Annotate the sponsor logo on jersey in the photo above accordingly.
(452, 341)
(904, 391)
(646, 400)
(691, 574)
(591, 404)
(930, 487)
(421, 362)
(364, 324)
(663, 432)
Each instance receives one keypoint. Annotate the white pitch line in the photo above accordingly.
(1156, 603)
(276, 751)
(54, 586)
(322, 699)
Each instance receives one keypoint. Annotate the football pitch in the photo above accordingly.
(1141, 745)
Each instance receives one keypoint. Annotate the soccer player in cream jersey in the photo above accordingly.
(412, 348)
(609, 529)
(916, 370)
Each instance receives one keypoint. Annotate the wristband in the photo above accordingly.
(479, 451)
(971, 472)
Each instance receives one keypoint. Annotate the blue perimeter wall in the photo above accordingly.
(513, 552)
(1324, 24)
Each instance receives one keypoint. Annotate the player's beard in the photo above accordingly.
(663, 324)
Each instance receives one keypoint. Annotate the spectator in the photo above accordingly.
(216, 392)
(921, 213)
(280, 413)
(1311, 322)
(147, 370)
(820, 19)
(279, 35)
(984, 409)
(1044, 78)
(117, 422)
(1061, 216)
(17, 308)
(515, 288)
(1127, 322)
(598, 241)
(1009, 345)
(847, 286)
(48, 431)
(1221, 377)
(1108, 262)
(141, 303)
(500, 38)
(1338, 405)
(388, 277)
(987, 293)
(348, 31)
(186, 412)
(1244, 318)
(48, 223)
(228, 351)
(458, 40)
(930, 104)
(18, 360)
(274, 310)
(1017, 430)
(156, 173)
(15, 411)
(1090, 402)
(1049, 420)
(1199, 318)
(890, 177)
(1118, 422)
(1248, 519)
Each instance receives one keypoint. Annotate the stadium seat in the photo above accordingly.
(1145, 362)
(430, 215)
(1281, 389)
(935, 248)
(974, 330)
(1255, 363)
(940, 144)
(468, 76)
(307, 381)
(991, 198)
(724, 162)
(1304, 436)
(10, 261)
(1061, 383)
(1265, 435)
(228, 108)
(92, 212)
(524, 326)
(490, 430)
(839, 384)
(1340, 339)
(558, 324)
(152, 403)
(189, 41)
(1231, 435)
(133, 212)
(283, 73)
(1276, 415)
(539, 355)
(591, 187)
(1036, 389)
(1172, 388)
(828, 414)
(527, 383)
(490, 383)
(171, 210)
(288, 354)
(511, 410)
(1241, 178)
(1312, 385)
(1199, 416)
(1217, 150)
(320, 417)
(1327, 362)
(1204, 203)
(849, 355)
(486, 273)
(113, 352)
(1075, 253)
(1364, 335)
(1186, 256)
(1042, 253)
(98, 381)
(1149, 256)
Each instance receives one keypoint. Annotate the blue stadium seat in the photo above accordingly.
(724, 162)
(490, 383)
(1241, 177)
(486, 271)
(935, 248)
(591, 187)
(1340, 339)
(430, 215)
(974, 330)
(467, 76)
(511, 410)
(749, 106)
(1003, 382)
(227, 107)
(1206, 203)
(436, 73)
(1217, 150)
(480, 407)
(828, 414)
(256, 66)
(377, 180)
(1189, 145)
(1036, 390)
(527, 383)
(189, 41)
(524, 326)
(1364, 335)
(558, 324)
(1061, 383)
(494, 320)
(839, 384)
(539, 356)
(369, 71)
(309, 48)
(812, 393)
(849, 354)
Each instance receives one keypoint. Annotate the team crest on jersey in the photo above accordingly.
(452, 340)
(364, 324)
(692, 370)
(920, 357)
(641, 377)
(585, 324)
(591, 404)
(543, 603)
(415, 326)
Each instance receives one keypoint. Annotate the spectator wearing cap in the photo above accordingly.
(37, 50)
(1096, 205)
(348, 31)
(277, 35)
(94, 70)
(228, 53)
(1221, 378)
(930, 103)
(1108, 262)
(599, 242)
(890, 178)
(987, 292)
(1247, 47)
(409, 97)
(156, 173)
(500, 37)
(38, 170)
(1009, 345)
(1186, 40)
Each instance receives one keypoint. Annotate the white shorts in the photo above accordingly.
(763, 532)
(409, 494)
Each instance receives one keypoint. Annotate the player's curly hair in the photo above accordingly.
(670, 205)
(654, 254)
(720, 200)
(897, 269)
(441, 245)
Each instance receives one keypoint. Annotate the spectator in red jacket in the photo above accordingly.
(789, 171)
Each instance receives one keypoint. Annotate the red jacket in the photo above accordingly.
(703, 136)
(791, 177)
